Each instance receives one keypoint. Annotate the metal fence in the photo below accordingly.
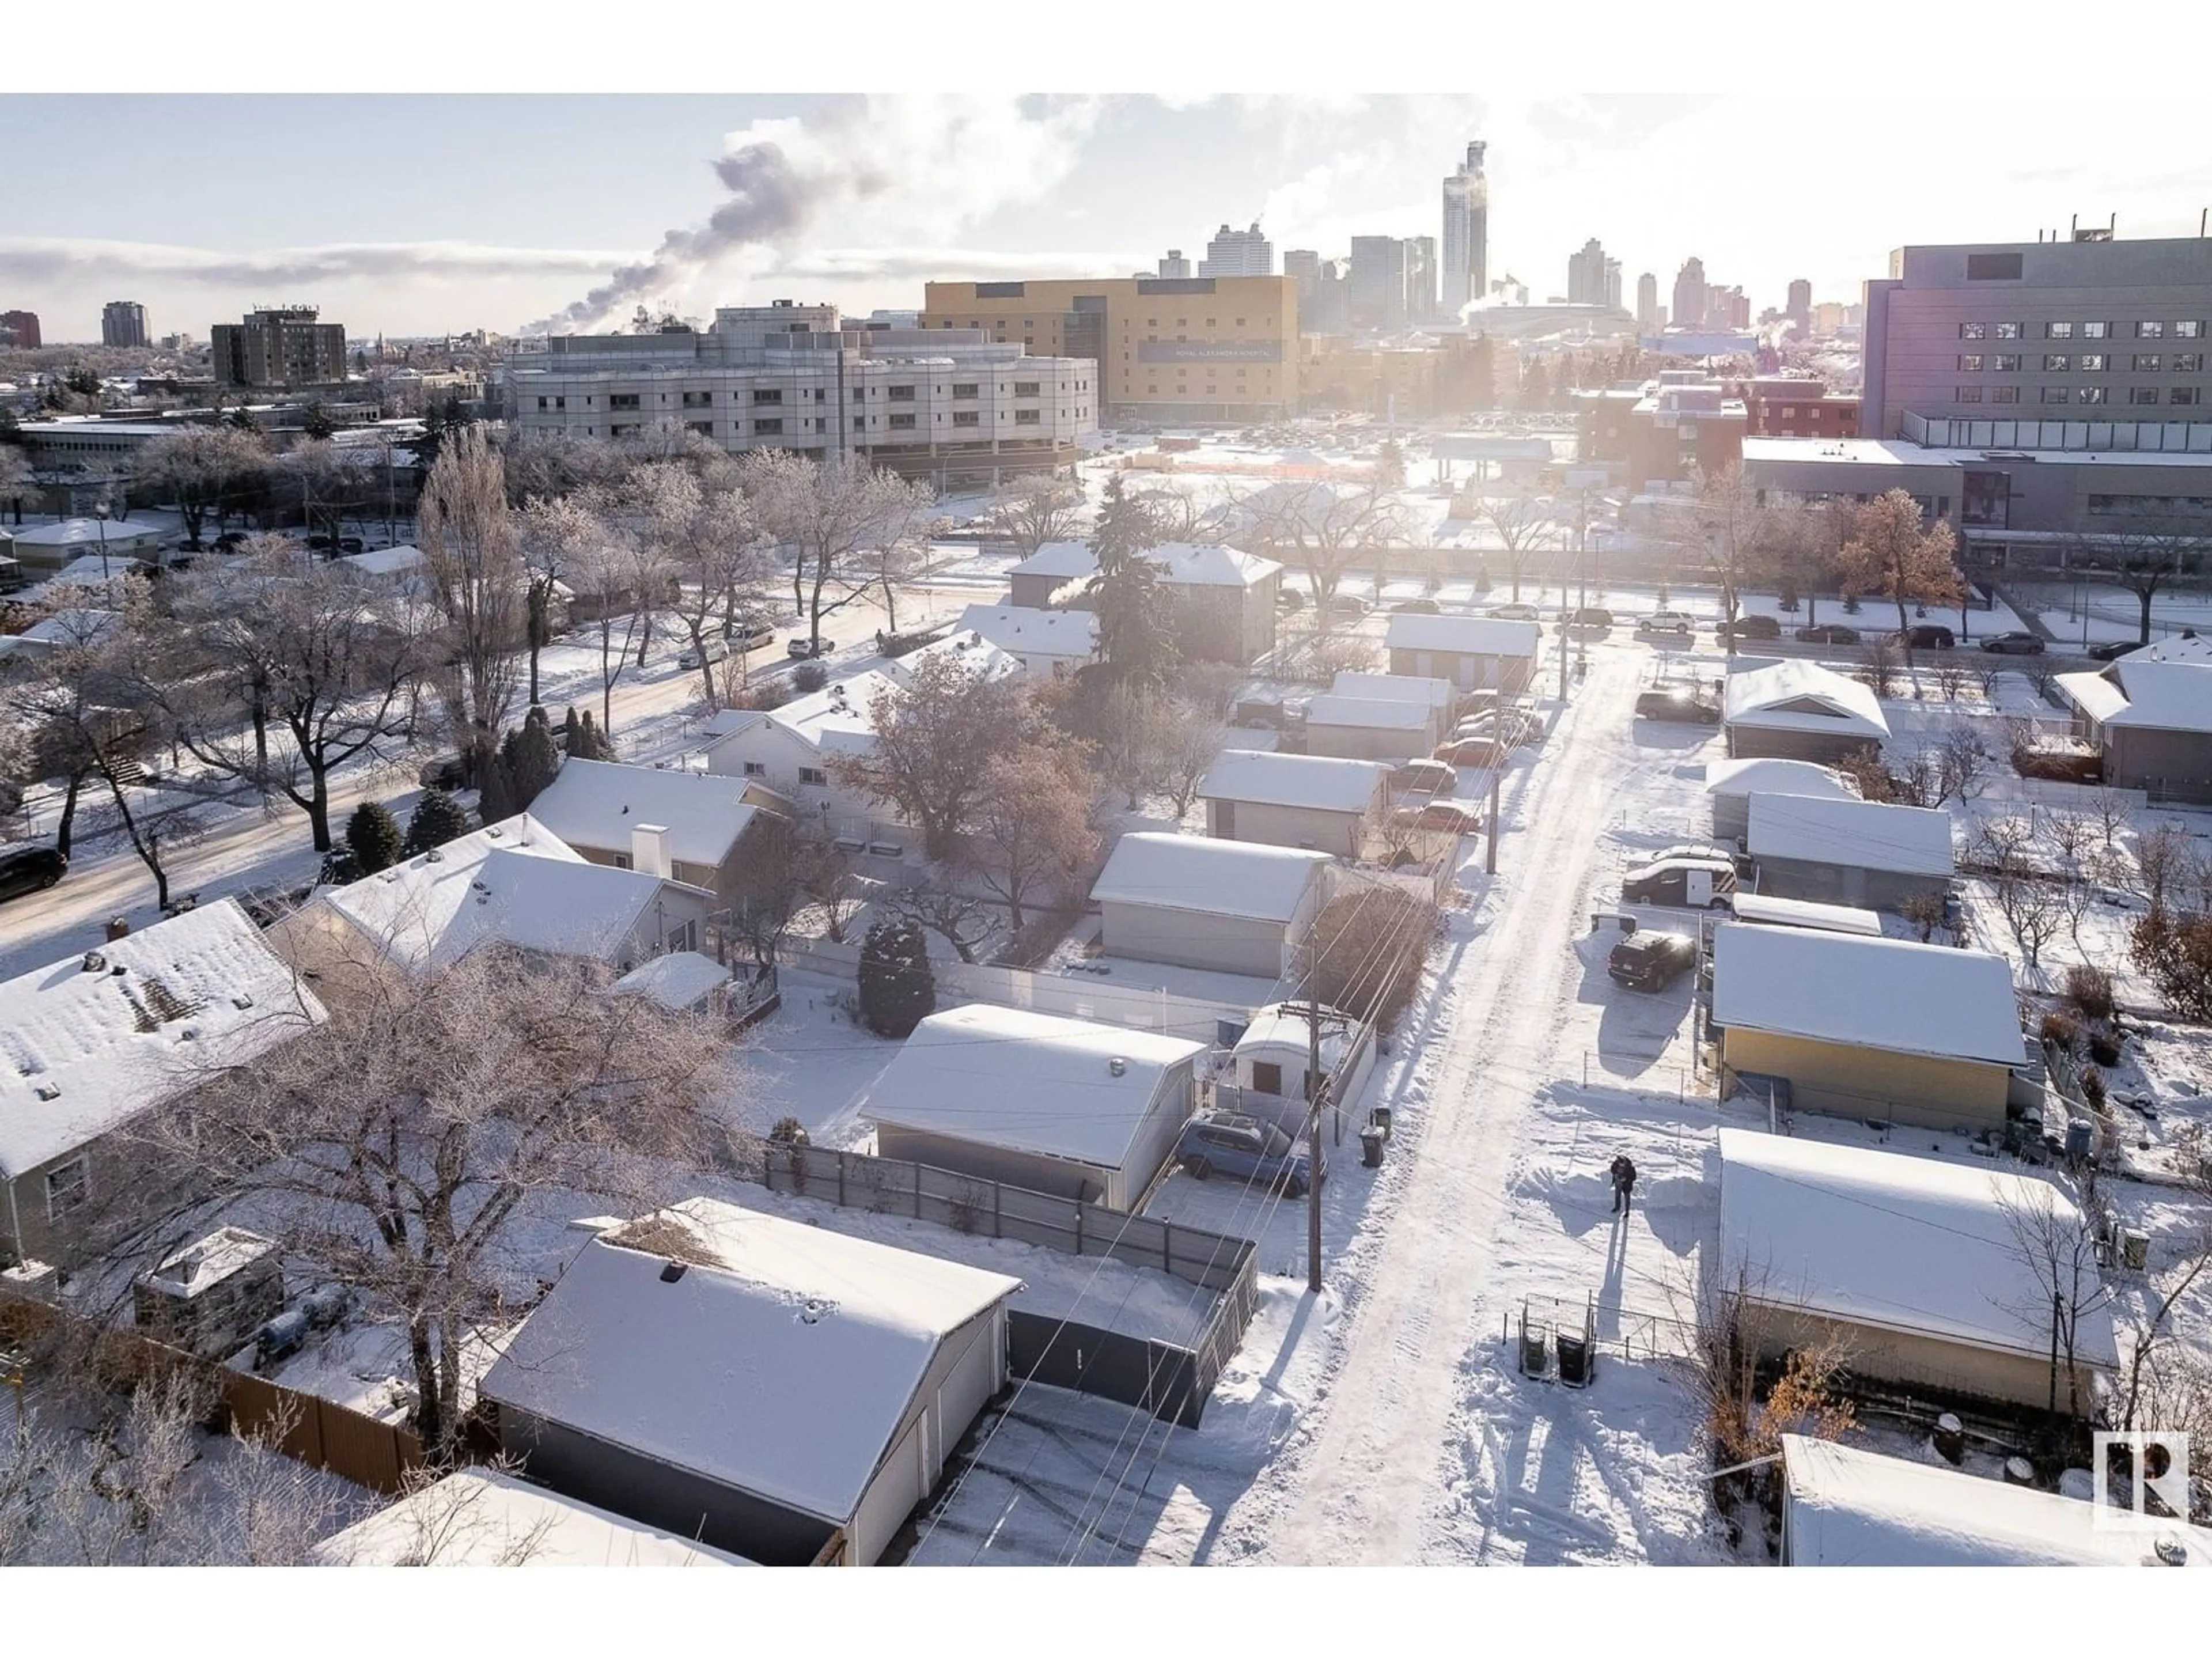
(1169, 1380)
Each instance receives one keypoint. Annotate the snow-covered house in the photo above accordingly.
(1060, 1106)
(1798, 710)
(789, 750)
(1371, 728)
(1869, 1028)
(758, 1384)
(702, 828)
(1223, 598)
(1849, 852)
(1439, 694)
(1234, 906)
(1916, 1263)
(399, 569)
(1470, 652)
(1843, 1506)
(2150, 715)
(514, 882)
(1729, 784)
(1048, 644)
(1046, 574)
(92, 1042)
(487, 1517)
(52, 546)
(1313, 801)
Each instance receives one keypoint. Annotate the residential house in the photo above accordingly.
(1913, 1263)
(1729, 784)
(1844, 1506)
(403, 569)
(1050, 577)
(762, 1386)
(1312, 801)
(790, 750)
(1850, 852)
(2150, 715)
(1470, 652)
(514, 882)
(91, 1043)
(1868, 1028)
(704, 829)
(1235, 907)
(49, 547)
(487, 1517)
(1222, 599)
(1061, 1106)
(1048, 644)
(1369, 728)
(1798, 710)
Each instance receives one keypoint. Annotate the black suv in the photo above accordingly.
(1589, 615)
(30, 870)
(1926, 637)
(1750, 628)
(1677, 705)
(1651, 962)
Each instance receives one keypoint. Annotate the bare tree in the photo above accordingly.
(545, 465)
(2056, 1241)
(396, 1145)
(936, 741)
(1185, 511)
(1033, 830)
(2112, 815)
(710, 539)
(469, 538)
(554, 533)
(1195, 743)
(962, 920)
(1323, 527)
(442, 1521)
(829, 517)
(75, 701)
(202, 469)
(326, 484)
(1038, 507)
(602, 570)
(1894, 553)
(1519, 520)
(2148, 551)
(2163, 855)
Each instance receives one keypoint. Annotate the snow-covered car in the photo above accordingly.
(801, 649)
(1424, 777)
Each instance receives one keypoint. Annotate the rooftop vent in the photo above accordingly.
(1117, 1065)
(671, 1271)
(479, 887)
(95, 963)
(48, 1090)
(493, 832)
(433, 856)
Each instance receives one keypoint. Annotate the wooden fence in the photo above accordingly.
(1170, 1380)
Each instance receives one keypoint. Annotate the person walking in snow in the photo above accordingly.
(1624, 1183)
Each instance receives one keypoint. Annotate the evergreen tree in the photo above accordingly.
(438, 818)
(315, 422)
(533, 758)
(897, 989)
(574, 735)
(242, 418)
(1136, 643)
(372, 837)
(1390, 466)
(596, 745)
(496, 791)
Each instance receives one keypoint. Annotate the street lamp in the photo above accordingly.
(99, 512)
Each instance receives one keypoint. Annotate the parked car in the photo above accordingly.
(1479, 724)
(1456, 817)
(1698, 884)
(749, 634)
(1828, 634)
(352, 544)
(231, 539)
(1350, 607)
(1677, 703)
(1514, 611)
(2113, 650)
(1248, 1149)
(1472, 751)
(711, 648)
(2017, 643)
(1924, 636)
(31, 870)
(448, 772)
(1289, 598)
(1651, 962)
(801, 649)
(1424, 777)
(1589, 615)
(1703, 852)
(1750, 628)
(1668, 622)
(1534, 725)
(1416, 608)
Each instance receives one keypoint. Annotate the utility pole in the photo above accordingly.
(1489, 852)
(1315, 1089)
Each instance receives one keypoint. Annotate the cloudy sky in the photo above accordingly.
(412, 215)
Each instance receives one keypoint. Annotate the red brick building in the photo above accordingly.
(1782, 406)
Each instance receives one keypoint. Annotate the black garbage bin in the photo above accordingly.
(1370, 1147)
(1574, 1359)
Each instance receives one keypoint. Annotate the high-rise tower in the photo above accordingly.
(1467, 233)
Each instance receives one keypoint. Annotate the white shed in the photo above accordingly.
(1371, 728)
(1236, 907)
(1317, 802)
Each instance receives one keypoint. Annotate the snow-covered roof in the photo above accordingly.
(677, 980)
(1851, 1508)
(2172, 694)
(482, 1517)
(1315, 782)
(1768, 776)
(1282, 1025)
(208, 1262)
(1885, 993)
(1183, 564)
(723, 721)
(2175, 647)
(386, 561)
(92, 1041)
(1026, 631)
(1862, 834)
(514, 881)
(779, 1362)
(1379, 714)
(985, 660)
(1065, 560)
(1796, 696)
(1803, 912)
(1037, 1083)
(95, 571)
(1491, 636)
(836, 719)
(596, 804)
(85, 533)
(1395, 688)
(1242, 879)
(1911, 1244)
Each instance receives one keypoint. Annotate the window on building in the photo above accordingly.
(967, 417)
(2148, 362)
(2186, 394)
(67, 1188)
(768, 428)
(698, 400)
(765, 394)
(2189, 330)
(814, 775)
(2006, 362)
(756, 770)
(1026, 388)
(821, 422)
(621, 400)
(2058, 331)
(2004, 394)
(899, 394)
(2091, 394)
(560, 403)
(2057, 394)
(902, 422)
(2058, 363)
(1964, 394)
(2096, 330)
(966, 388)
(2005, 331)
(540, 402)
(2150, 330)
(704, 428)
(1028, 416)
(626, 429)
(1973, 330)
(2093, 362)
(821, 394)
(2143, 394)
(1970, 362)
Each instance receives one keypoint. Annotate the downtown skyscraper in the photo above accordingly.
(1467, 233)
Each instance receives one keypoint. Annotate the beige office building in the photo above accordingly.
(1198, 349)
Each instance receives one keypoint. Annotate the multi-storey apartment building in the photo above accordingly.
(123, 323)
(952, 405)
(279, 347)
(1168, 349)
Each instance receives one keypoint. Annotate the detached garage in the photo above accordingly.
(1236, 907)
(1371, 728)
(1729, 784)
(1799, 711)
(1849, 852)
(1469, 651)
(756, 1384)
